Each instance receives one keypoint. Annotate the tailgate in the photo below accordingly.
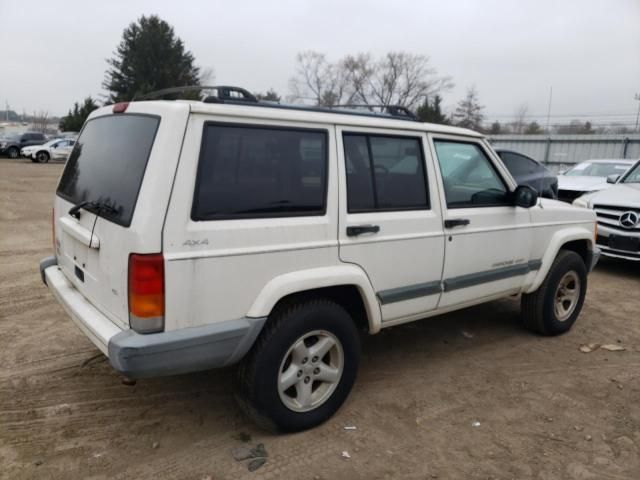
(120, 171)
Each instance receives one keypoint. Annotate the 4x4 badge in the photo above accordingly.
(195, 243)
(629, 219)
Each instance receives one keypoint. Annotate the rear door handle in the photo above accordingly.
(360, 229)
(456, 222)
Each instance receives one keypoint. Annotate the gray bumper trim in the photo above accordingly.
(186, 350)
(592, 258)
(44, 264)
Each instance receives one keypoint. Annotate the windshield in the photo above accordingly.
(592, 169)
(107, 164)
(634, 175)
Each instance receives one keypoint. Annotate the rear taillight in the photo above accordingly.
(146, 292)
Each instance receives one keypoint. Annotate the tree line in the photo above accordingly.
(150, 56)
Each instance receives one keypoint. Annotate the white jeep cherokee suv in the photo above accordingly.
(192, 235)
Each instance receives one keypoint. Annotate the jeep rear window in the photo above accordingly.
(259, 172)
(107, 164)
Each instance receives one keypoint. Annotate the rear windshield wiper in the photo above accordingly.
(92, 205)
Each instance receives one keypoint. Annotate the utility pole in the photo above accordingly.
(637, 98)
(549, 110)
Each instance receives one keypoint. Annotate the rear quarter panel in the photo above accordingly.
(216, 270)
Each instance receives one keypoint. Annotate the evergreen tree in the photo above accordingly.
(432, 111)
(149, 57)
(496, 128)
(76, 117)
(533, 128)
(270, 96)
(468, 113)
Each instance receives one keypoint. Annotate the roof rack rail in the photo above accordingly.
(393, 110)
(240, 96)
(223, 93)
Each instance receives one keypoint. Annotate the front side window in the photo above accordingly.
(469, 178)
(384, 173)
(259, 172)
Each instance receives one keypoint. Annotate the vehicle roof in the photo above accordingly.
(265, 112)
(611, 160)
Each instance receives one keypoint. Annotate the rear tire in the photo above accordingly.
(301, 368)
(555, 306)
(13, 152)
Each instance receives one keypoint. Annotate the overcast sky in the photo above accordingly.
(53, 53)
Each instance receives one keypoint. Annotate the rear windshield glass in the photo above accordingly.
(107, 164)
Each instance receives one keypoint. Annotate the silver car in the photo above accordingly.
(589, 176)
(618, 211)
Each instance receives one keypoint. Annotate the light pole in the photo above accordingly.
(637, 97)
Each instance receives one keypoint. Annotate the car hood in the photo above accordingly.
(621, 194)
(582, 184)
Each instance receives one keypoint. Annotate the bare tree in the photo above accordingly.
(401, 78)
(398, 78)
(520, 118)
(468, 113)
(39, 121)
(207, 76)
(317, 79)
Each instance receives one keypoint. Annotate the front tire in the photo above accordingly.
(301, 368)
(42, 157)
(13, 152)
(555, 306)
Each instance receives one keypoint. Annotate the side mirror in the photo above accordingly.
(562, 172)
(613, 178)
(524, 196)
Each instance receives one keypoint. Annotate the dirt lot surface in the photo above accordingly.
(464, 396)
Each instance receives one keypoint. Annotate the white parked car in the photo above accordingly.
(58, 149)
(618, 210)
(589, 176)
(235, 231)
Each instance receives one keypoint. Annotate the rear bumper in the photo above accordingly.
(157, 354)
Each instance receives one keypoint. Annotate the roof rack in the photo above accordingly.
(393, 110)
(240, 96)
(223, 93)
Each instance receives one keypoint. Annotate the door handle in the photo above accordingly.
(360, 229)
(456, 222)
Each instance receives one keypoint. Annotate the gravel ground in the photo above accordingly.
(468, 395)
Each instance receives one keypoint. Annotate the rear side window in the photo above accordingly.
(258, 172)
(107, 164)
(384, 173)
